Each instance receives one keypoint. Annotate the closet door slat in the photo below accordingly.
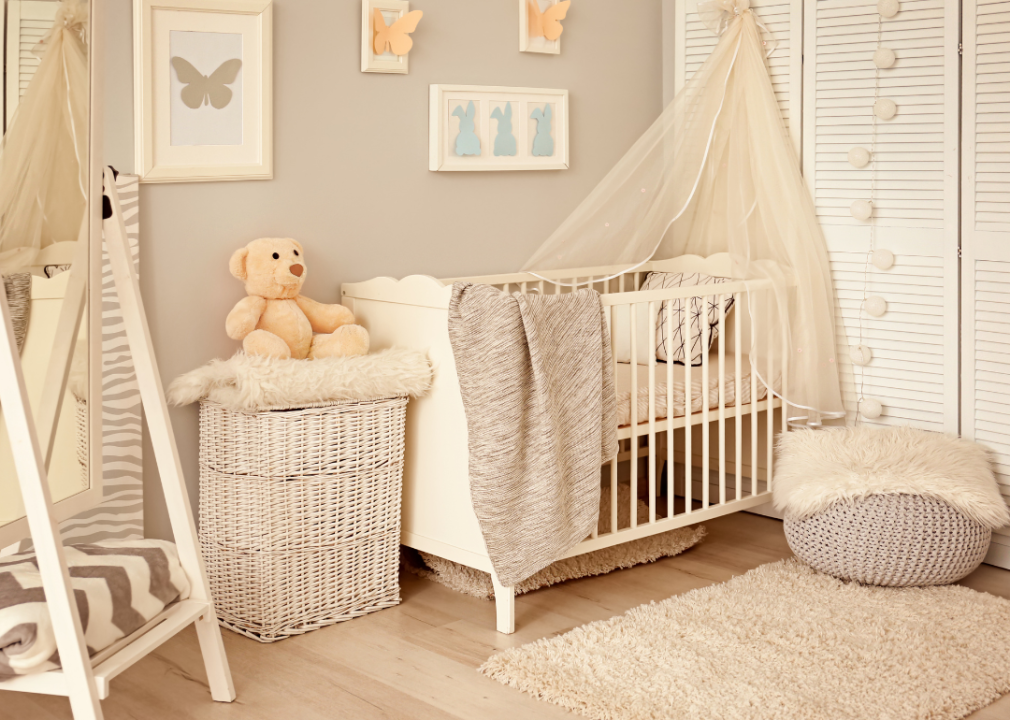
(914, 370)
(784, 18)
(985, 227)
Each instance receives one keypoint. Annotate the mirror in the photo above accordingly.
(48, 232)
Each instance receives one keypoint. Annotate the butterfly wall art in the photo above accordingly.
(199, 89)
(204, 106)
(540, 25)
(386, 27)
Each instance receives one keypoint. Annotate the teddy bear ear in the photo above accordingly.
(237, 263)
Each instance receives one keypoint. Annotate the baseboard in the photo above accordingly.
(767, 510)
(999, 552)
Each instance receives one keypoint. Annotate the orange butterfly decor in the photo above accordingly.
(547, 23)
(395, 37)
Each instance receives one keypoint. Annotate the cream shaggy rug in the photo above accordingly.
(782, 642)
(478, 583)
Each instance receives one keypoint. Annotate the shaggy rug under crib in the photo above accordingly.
(637, 552)
(783, 642)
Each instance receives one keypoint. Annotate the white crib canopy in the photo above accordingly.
(716, 173)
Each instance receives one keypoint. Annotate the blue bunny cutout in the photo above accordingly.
(467, 143)
(543, 143)
(504, 141)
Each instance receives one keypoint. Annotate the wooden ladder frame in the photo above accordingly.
(83, 679)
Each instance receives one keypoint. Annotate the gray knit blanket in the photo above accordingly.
(119, 585)
(537, 383)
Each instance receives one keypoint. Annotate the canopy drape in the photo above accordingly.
(715, 173)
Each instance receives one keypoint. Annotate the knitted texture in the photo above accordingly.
(896, 540)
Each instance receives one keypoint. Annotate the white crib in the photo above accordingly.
(718, 452)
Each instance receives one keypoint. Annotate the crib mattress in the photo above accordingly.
(728, 384)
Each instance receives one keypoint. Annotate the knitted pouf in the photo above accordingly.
(890, 506)
(895, 540)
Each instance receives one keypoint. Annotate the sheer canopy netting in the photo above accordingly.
(717, 173)
(43, 157)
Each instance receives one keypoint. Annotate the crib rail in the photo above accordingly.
(696, 441)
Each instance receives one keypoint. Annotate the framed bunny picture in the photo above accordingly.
(473, 127)
(203, 94)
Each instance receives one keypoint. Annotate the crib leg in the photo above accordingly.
(505, 606)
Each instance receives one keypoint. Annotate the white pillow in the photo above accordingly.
(672, 349)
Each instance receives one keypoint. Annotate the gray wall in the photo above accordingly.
(351, 179)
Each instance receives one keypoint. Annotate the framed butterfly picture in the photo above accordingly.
(540, 25)
(386, 28)
(204, 95)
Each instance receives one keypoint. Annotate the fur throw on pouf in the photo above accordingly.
(894, 506)
(253, 383)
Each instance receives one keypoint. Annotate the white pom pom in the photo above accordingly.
(888, 8)
(875, 306)
(859, 157)
(882, 259)
(883, 58)
(870, 409)
(860, 354)
(861, 209)
(884, 108)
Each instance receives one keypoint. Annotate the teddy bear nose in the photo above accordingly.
(297, 270)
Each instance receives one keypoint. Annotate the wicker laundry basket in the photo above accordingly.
(300, 513)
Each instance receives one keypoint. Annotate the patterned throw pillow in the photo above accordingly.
(672, 349)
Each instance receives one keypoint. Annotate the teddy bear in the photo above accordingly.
(274, 319)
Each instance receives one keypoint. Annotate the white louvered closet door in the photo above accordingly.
(693, 42)
(914, 368)
(27, 22)
(985, 239)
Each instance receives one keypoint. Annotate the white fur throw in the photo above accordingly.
(251, 383)
(817, 468)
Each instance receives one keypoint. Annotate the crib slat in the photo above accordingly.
(770, 419)
(652, 412)
(633, 408)
(685, 334)
(753, 414)
(669, 415)
(722, 399)
(738, 393)
(706, 401)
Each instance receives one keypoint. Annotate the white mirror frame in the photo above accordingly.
(47, 413)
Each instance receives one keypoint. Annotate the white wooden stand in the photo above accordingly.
(83, 679)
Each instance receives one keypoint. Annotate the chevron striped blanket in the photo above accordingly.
(119, 585)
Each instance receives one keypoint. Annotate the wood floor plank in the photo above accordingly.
(418, 660)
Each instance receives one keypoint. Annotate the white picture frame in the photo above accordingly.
(539, 44)
(392, 10)
(445, 129)
(176, 142)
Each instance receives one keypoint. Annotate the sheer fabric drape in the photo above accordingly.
(44, 154)
(717, 173)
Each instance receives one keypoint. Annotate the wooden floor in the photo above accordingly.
(418, 660)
